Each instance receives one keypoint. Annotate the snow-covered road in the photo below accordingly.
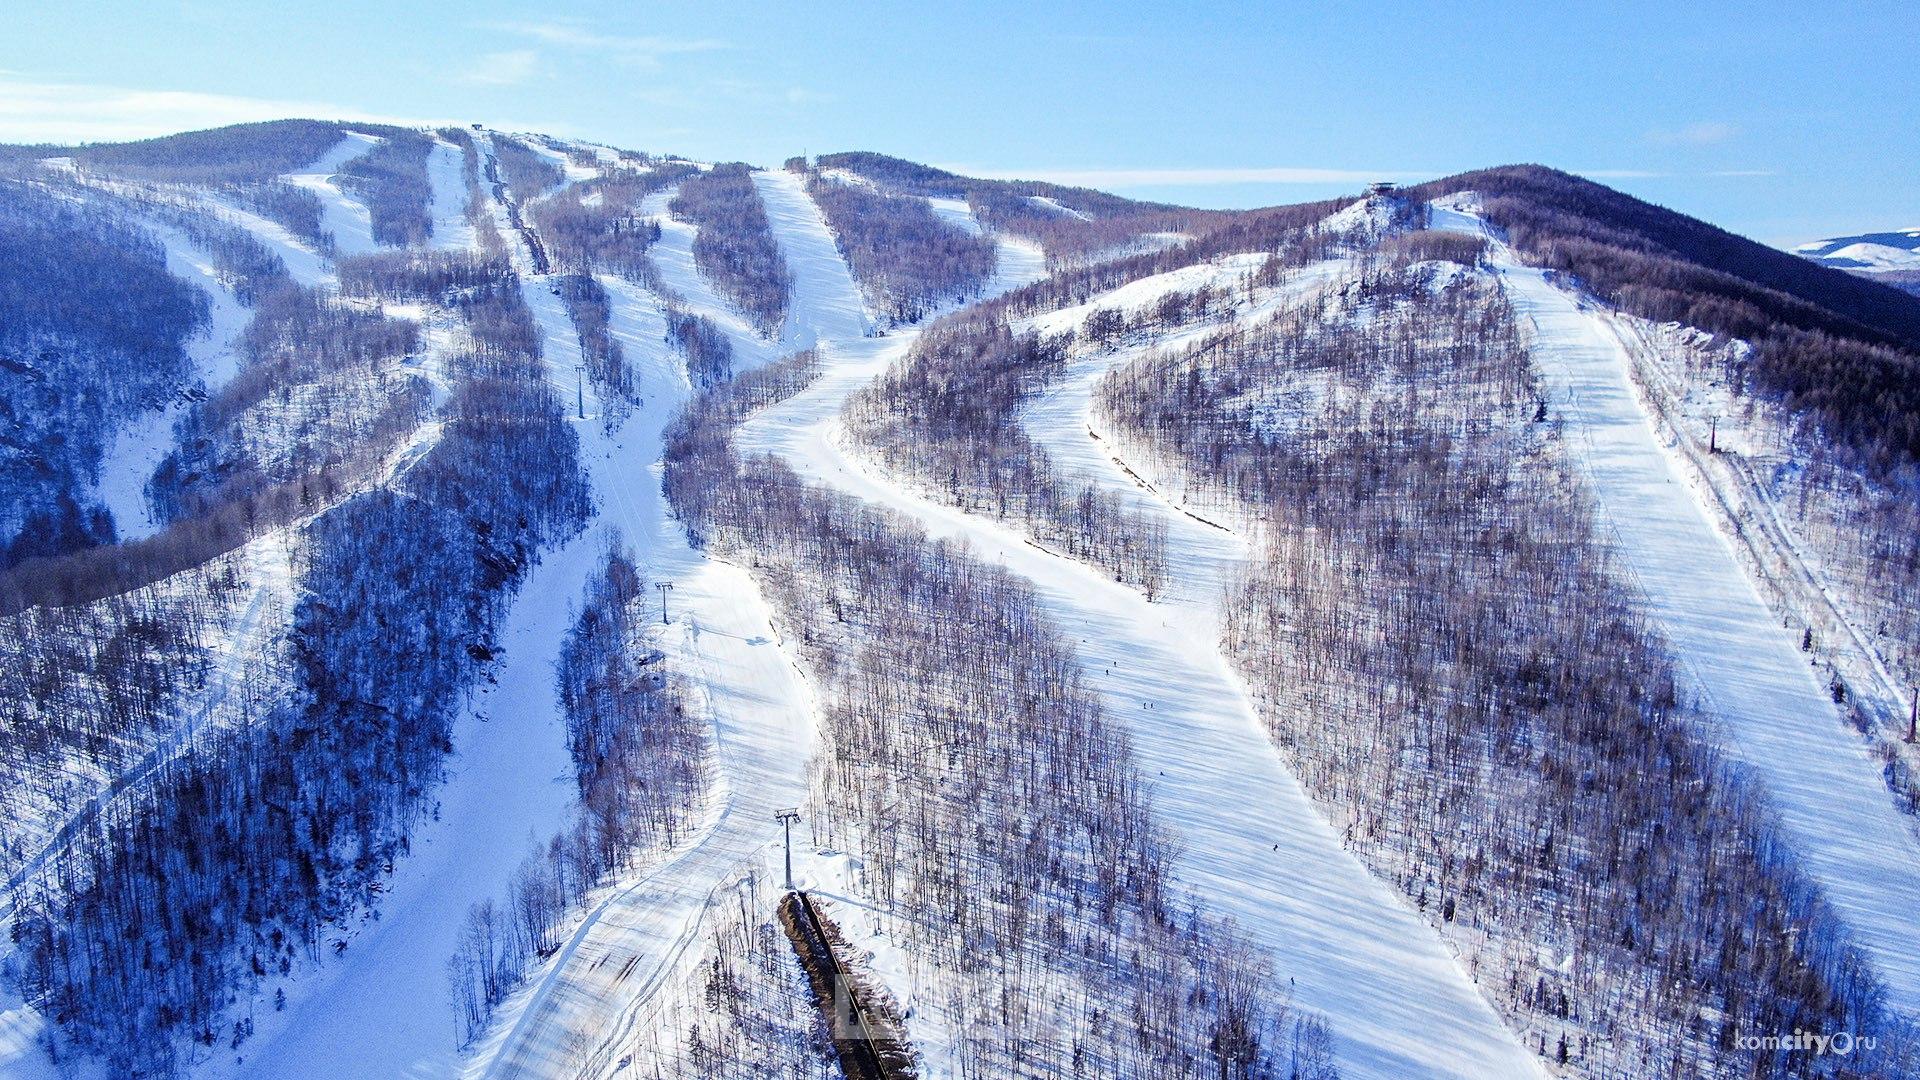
(1254, 846)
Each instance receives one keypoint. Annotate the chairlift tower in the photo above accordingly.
(786, 818)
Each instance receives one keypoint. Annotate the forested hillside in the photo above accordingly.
(499, 605)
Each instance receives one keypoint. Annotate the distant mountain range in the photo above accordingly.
(1892, 257)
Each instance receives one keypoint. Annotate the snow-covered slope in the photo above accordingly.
(343, 215)
(451, 229)
(1896, 250)
(1255, 847)
(582, 1007)
(138, 447)
(1776, 717)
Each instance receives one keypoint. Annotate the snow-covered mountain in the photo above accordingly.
(1898, 250)
(1892, 258)
(1461, 631)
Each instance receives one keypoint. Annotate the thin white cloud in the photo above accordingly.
(1110, 178)
(510, 68)
(37, 112)
(642, 48)
(1648, 174)
(1700, 133)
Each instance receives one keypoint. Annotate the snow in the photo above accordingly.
(1017, 262)
(21, 1056)
(1898, 249)
(1877, 256)
(1369, 216)
(245, 671)
(552, 151)
(305, 265)
(580, 1007)
(637, 935)
(848, 177)
(826, 306)
(956, 213)
(382, 1008)
(342, 215)
(139, 446)
(1058, 207)
(1255, 848)
(1773, 714)
(446, 171)
(673, 254)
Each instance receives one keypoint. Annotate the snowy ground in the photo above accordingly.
(342, 215)
(673, 254)
(446, 171)
(1019, 261)
(137, 449)
(1774, 714)
(247, 669)
(579, 1007)
(243, 671)
(1255, 848)
(583, 1007)
(825, 306)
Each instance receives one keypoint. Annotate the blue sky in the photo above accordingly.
(1783, 121)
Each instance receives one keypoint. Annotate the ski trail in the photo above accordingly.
(346, 217)
(1018, 261)
(581, 1009)
(304, 265)
(584, 1008)
(1254, 845)
(446, 172)
(341, 214)
(1774, 715)
(826, 306)
(139, 446)
(382, 1006)
(673, 254)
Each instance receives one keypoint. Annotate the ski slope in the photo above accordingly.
(446, 172)
(342, 215)
(305, 265)
(825, 306)
(139, 446)
(381, 1007)
(580, 1007)
(673, 254)
(586, 1006)
(1254, 846)
(1017, 260)
(1773, 713)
